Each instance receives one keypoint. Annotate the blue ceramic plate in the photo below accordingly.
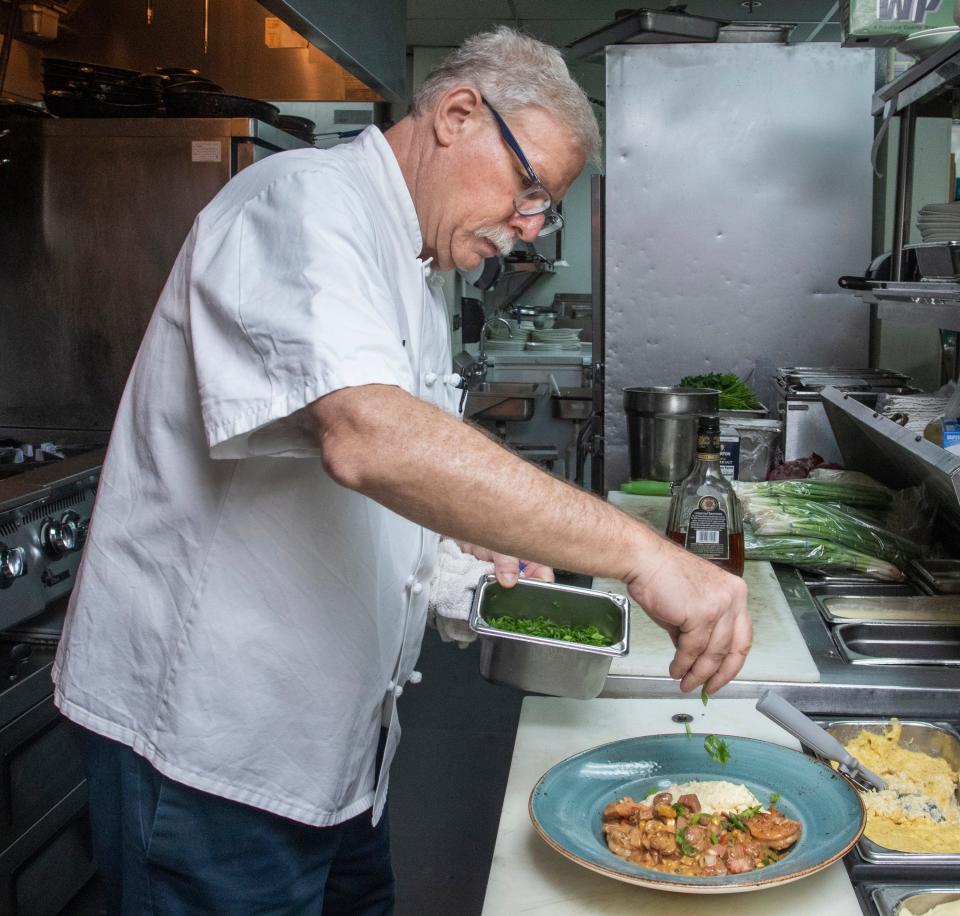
(566, 805)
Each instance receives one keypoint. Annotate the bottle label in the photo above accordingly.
(707, 534)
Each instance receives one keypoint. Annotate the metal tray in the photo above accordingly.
(940, 576)
(898, 643)
(920, 898)
(939, 739)
(821, 590)
(884, 607)
(548, 666)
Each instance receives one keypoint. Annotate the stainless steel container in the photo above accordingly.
(662, 429)
(938, 739)
(938, 260)
(889, 643)
(548, 666)
(917, 898)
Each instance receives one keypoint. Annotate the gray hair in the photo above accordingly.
(514, 71)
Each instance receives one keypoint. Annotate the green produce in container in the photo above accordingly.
(735, 394)
(548, 629)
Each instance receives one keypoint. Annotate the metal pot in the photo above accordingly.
(662, 429)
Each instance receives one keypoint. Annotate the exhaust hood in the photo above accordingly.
(646, 27)
(369, 39)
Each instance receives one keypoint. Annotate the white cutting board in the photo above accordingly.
(527, 876)
(779, 651)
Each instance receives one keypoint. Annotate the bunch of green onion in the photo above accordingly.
(817, 553)
(840, 525)
(821, 491)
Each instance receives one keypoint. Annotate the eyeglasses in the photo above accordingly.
(534, 199)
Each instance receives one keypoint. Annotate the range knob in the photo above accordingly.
(60, 537)
(12, 564)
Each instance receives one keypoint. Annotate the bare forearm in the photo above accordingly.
(452, 478)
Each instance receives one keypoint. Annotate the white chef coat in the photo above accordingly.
(239, 619)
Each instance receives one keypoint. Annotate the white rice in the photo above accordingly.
(716, 796)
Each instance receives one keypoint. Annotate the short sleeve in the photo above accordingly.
(289, 302)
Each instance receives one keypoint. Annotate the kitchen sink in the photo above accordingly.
(573, 403)
(504, 400)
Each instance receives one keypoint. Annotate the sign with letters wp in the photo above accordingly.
(880, 23)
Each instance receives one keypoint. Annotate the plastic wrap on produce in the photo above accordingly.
(811, 553)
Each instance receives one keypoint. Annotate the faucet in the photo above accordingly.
(474, 374)
(483, 332)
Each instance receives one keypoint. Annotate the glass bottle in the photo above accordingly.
(704, 511)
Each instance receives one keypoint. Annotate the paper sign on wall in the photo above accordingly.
(205, 151)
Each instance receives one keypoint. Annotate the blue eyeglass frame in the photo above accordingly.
(552, 217)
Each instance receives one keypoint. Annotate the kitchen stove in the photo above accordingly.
(806, 427)
(46, 498)
(47, 487)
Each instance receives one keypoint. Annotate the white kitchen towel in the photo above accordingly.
(455, 578)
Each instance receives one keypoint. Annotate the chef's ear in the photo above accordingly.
(456, 113)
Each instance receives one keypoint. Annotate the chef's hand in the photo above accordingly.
(507, 569)
(703, 608)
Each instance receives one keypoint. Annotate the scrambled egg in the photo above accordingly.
(918, 812)
(941, 909)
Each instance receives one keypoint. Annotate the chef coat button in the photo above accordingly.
(390, 686)
(417, 588)
(415, 677)
(453, 380)
(409, 582)
(398, 691)
(429, 379)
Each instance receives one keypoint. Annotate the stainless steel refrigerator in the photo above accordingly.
(738, 189)
(92, 215)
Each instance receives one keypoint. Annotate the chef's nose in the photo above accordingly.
(526, 227)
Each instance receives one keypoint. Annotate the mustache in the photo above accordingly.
(501, 236)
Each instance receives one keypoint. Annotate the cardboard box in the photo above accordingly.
(951, 436)
(883, 23)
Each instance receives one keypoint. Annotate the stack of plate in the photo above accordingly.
(498, 332)
(940, 222)
(557, 336)
(554, 345)
(515, 343)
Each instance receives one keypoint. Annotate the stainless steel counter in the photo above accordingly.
(845, 689)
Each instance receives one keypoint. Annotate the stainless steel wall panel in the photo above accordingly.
(738, 189)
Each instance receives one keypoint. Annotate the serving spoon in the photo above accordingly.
(822, 743)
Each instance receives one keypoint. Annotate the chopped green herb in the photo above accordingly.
(736, 822)
(695, 818)
(774, 797)
(688, 730)
(747, 813)
(685, 847)
(714, 839)
(547, 629)
(716, 748)
(651, 791)
(704, 696)
(679, 809)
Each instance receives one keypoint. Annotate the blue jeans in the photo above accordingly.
(165, 849)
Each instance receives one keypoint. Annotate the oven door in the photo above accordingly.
(45, 854)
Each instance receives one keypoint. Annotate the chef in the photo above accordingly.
(286, 456)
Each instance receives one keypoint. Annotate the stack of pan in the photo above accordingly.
(190, 95)
(75, 89)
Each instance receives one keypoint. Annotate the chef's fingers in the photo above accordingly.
(690, 644)
(531, 570)
(739, 647)
(713, 654)
(506, 569)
